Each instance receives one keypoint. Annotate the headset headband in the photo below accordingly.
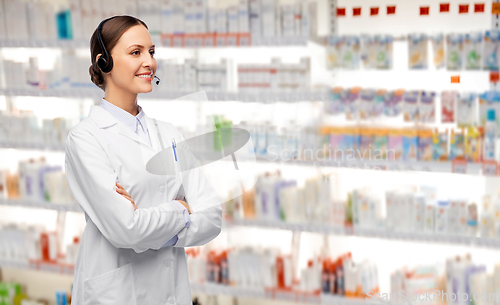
(105, 62)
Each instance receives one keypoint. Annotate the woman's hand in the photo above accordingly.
(120, 190)
(185, 205)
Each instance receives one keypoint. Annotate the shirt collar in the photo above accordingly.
(125, 117)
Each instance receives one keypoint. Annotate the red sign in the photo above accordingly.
(455, 79)
(424, 10)
(463, 8)
(494, 77)
(341, 11)
(356, 11)
(373, 11)
(479, 8)
(444, 7)
(391, 10)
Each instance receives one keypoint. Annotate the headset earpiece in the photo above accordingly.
(105, 65)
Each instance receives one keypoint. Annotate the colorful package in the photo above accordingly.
(438, 50)
(325, 142)
(440, 146)
(368, 52)
(425, 145)
(367, 104)
(466, 109)
(333, 52)
(491, 53)
(488, 100)
(334, 106)
(417, 48)
(379, 101)
(383, 48)
(395, 143)
(381, 144)
(410, 145)
(454, 51)
(350, 50)
(472, 48)
(448, 102)
(457, 145)
(427, 106)
(393, 102)
(410, 106)
(350, 101)
(366, 138)
(352, 138)
(473, 144)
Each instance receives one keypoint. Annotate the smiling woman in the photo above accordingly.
(123, 62)
(137, 223)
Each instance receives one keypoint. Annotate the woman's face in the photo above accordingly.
(133, 56)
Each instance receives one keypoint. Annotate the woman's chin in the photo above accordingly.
(146, 90)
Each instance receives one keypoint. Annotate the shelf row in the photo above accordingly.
(486, 169)
(94, 92)
(276, 295)
(262, 41)
(209, 288)
(310, 227)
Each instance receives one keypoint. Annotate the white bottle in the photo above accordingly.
(489, 136)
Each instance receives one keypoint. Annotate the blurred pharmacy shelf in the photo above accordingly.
(276, 295)
(63, 207)
(395, 166)
(307, 227)
(424, 166)
(32, 146)
(73, 44)
(52, 267)
(94, 92)
(209, 288)
(372, 233)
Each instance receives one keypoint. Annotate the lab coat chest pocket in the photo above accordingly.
(113, 287)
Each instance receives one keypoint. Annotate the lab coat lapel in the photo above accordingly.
(153, 134)
(104, 119)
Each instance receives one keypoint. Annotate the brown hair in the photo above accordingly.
(111, 32)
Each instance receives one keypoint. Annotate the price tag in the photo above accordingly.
(490, 168)
(459, 166)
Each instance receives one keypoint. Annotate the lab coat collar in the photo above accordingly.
(104, 119)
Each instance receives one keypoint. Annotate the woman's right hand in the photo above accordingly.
(185, 205)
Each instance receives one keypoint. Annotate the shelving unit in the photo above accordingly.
(492, 243)
(96, 93)
(212, 288)
(256, 42)
(431, 79)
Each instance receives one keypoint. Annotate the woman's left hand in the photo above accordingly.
(120, 190)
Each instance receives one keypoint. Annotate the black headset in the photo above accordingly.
(105, 61)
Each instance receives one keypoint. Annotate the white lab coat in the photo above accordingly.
(120, 260)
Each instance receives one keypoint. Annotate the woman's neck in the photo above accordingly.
(125, 100)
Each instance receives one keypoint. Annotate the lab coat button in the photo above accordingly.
(167, 264)
(170, 300)
(161, 188)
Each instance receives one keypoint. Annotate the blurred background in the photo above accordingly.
(374, 123)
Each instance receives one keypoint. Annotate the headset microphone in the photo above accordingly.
(158, 80)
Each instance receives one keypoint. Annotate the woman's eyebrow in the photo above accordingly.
(139, 46)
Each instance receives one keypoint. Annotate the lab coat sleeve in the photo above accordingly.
(91, 179)
(206, 209)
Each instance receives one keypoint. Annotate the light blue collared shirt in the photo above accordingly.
(138, 125)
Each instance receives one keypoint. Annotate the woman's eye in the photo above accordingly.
(152, 53)
(135, 52)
